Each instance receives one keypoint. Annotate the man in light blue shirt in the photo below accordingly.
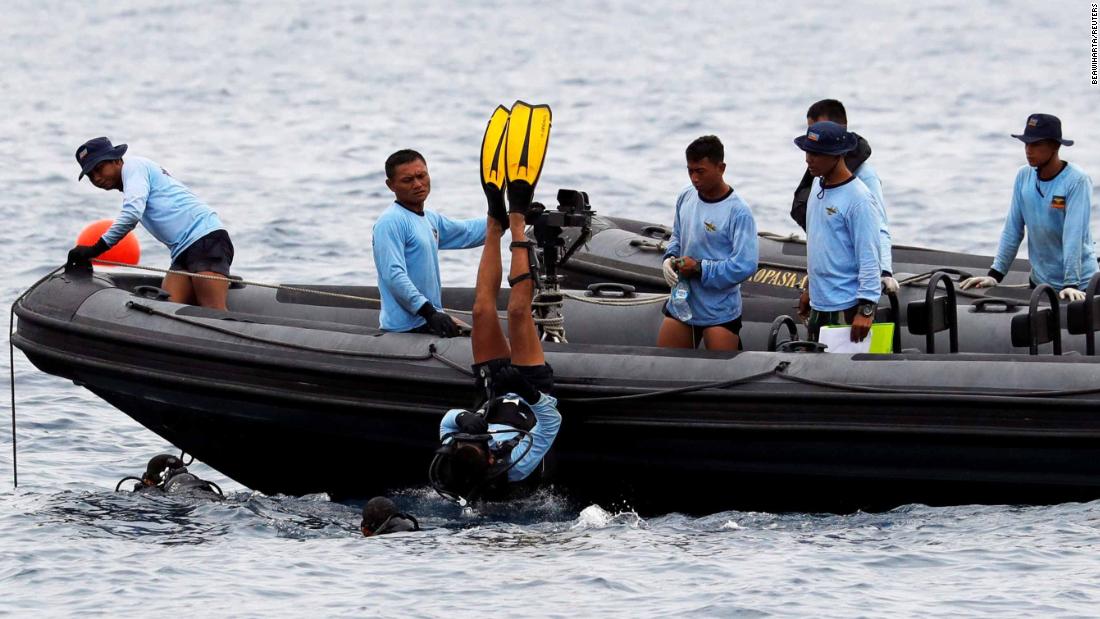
(407, 240)
(856, 161)
(170, 212)
(713, 249)
(842, 242)
(1052, 199)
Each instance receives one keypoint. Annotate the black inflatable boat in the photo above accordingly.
(630, 251)
(295, 392)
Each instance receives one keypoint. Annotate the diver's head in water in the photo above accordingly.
(380, 516)
(158, 465)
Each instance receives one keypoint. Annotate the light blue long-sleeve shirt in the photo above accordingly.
(722, 237)
(406, 256)
(867, 173)
(541, 437)
(842, 246)
(1056, 214)
(165, 206)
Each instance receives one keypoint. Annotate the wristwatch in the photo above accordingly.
(866, 308)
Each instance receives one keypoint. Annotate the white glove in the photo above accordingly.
(671, 277)
(981, 281)
(889, 284)
(1071, 294)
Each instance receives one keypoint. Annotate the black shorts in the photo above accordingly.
(733, 326)
(540, 377)
(213, 252)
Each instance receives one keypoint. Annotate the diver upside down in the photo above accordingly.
(486, 452)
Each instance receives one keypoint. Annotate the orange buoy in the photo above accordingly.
(128, 250)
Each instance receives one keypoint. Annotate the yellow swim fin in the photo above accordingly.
(525, 151)
(493, 173)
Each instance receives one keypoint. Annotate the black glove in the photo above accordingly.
(509, 380)
(439, 323)
(471, 423)
(82, 254)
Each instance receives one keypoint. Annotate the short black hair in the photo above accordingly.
(829, 109)
(468, 466)
(401, 157)
(376, 511)
(706, 147)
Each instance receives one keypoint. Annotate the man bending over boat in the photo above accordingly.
(407, 240)
(1053, 201)
(170, 212)
(842, 237)
(516, 420)
(856, 161)
(713, 249)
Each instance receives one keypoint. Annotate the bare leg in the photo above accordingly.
(211, 292)
(522, 332)
(179, 288)
(720, 338)
(675, 334)
(487, 337)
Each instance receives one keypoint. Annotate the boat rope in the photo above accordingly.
(434, 352)
(152, 311)
(351, 297)
(722, 384)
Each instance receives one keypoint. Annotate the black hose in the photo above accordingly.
(211, 484)
(125, 479)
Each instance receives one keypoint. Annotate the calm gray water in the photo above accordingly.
(280, 115)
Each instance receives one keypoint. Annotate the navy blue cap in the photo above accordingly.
(1042, 127)
(827, 138)
(94, 152)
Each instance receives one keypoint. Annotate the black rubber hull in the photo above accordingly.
(298, 422)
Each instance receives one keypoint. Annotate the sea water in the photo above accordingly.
(279, 114)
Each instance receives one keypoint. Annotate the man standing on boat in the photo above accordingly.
(842, 238)
(170, 212)
(713, 249)
(856, 161)
(1052, 199)
(407, 240)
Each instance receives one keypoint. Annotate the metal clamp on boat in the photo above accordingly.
(1040, 326)
(935, 313)
(1082, 317)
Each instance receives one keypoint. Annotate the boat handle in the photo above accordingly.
(152, 292)
(610, 290)
(989, 306)
(657, 232)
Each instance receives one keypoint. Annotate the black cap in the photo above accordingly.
(1042, 127)
(94, 152)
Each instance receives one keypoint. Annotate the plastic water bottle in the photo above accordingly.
(678, 301)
